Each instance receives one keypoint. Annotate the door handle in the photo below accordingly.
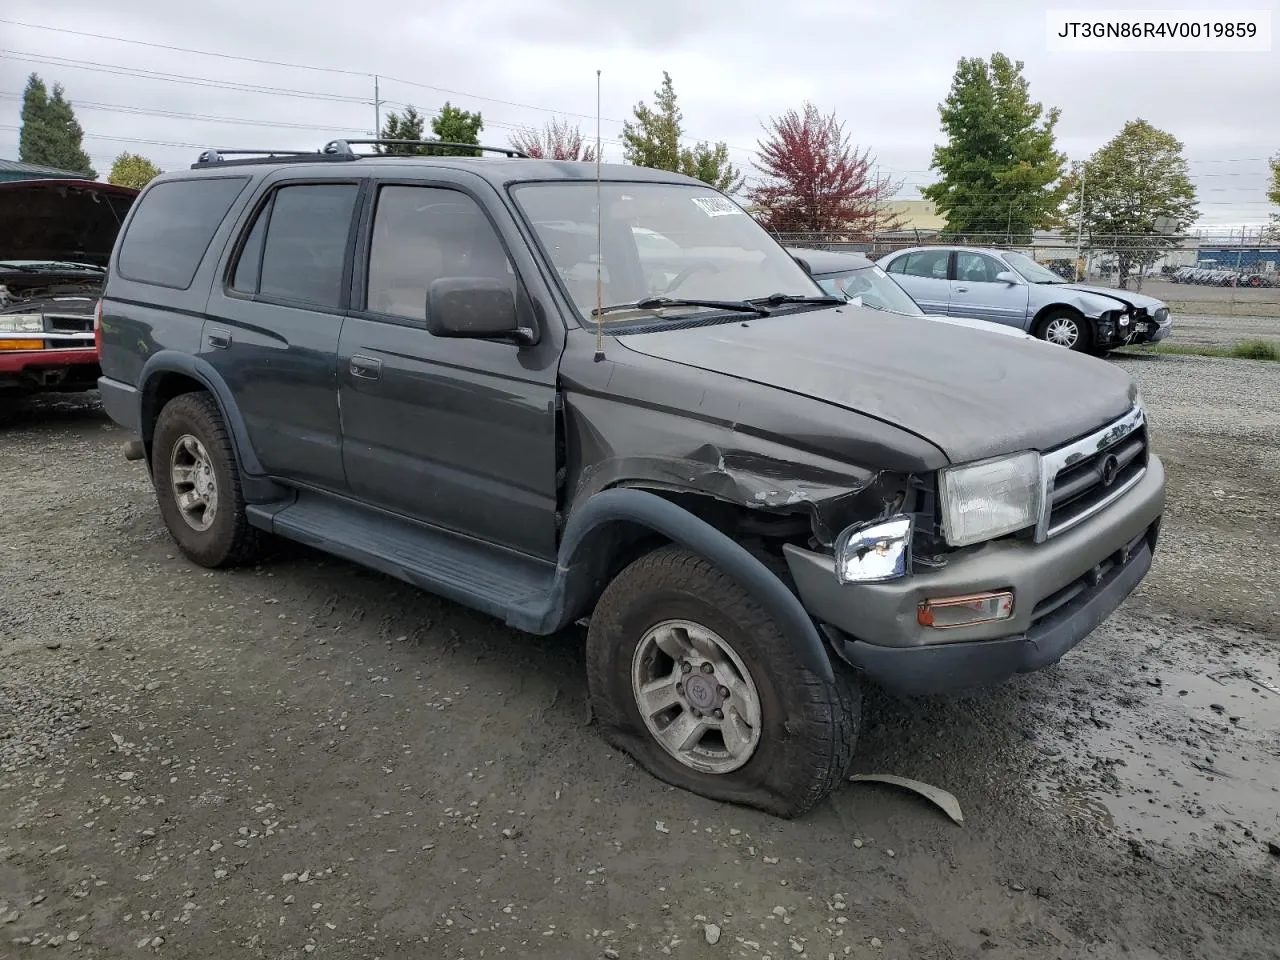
(962, 289)
(366, 368)
(219, 338)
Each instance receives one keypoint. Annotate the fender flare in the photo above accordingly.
(173, 361)
(582, 556)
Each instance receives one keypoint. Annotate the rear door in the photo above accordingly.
(457, 433)
(924, 274)
(273, 321)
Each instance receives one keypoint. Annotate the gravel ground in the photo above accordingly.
(309, 759)
(1222, 331)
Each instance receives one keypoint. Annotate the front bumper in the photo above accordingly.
(36, 370)
(1154, 332)
(1063, 589)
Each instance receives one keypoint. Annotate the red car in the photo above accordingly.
(55, 240)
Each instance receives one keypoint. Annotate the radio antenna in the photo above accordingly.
(599, 238)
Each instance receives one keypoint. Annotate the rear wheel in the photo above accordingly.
(693, 679)
(1065, 328)
(193, 468)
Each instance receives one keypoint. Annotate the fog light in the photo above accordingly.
(21, 344)
(944, 613)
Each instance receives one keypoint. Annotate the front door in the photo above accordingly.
(272, 327)
(923, 274)
(457, 433)
(978, 295)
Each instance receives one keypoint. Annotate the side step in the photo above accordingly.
(476, 575)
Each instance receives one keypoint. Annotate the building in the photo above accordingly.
(917, 216)
(11, 170)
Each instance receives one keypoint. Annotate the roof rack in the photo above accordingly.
(220, 156)
(343, 147)
(337, 151)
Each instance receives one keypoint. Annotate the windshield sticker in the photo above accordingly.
(718, 207)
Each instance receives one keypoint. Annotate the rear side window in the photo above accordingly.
(296, 249)
(172, 228)
(931, 264)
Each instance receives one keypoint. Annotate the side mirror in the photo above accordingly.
(475, 308)
(804, 264)
(1007, 276)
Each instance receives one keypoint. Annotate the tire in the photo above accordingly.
(191, 442)
(802, 742)
(1058, 320)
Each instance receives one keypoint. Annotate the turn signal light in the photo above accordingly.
(21, 344)
(945, 613)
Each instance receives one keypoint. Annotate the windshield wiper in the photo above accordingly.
(778, 299)
(658, 303)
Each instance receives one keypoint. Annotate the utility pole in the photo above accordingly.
(875, 207)
(377, 109)
(1080, 226)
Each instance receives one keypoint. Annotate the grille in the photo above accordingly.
(1087, 476)
(68, 323)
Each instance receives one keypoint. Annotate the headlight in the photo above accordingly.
(22, 323)
(985, 500)
(875, 551)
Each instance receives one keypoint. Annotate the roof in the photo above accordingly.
(38, 170)
(829, 261)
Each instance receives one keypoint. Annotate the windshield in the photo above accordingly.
(659, 240)
(1030, 270)
(870, 287)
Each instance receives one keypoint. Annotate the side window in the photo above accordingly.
(976, 267)
(897, 266)
(172, 228)
(422, 234)
(931, 264)
(249, 263)
(304, 244)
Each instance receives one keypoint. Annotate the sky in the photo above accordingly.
(883, 68)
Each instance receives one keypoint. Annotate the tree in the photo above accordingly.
(403, 126)
(1273, 194)
(557, 140)
(711, 165)
(814, 181)
(454, 125)
(653, 140)
(133, 170)
(1134, 188)
(1000, 171)
(51, 135)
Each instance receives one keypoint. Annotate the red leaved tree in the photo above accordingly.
(813, 181)
(557, 140)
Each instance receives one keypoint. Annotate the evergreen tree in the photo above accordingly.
(1000, 171)
(51, 135)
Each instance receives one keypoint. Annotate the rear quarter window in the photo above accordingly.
(172, 228)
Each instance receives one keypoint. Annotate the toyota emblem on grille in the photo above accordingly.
(1110, 467)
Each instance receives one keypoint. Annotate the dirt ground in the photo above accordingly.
(309, 759)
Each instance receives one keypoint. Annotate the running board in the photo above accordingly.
(479, 576)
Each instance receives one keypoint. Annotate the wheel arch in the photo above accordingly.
(169, 374)
(617, 525)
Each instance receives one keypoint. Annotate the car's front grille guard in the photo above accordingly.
(1057, 460)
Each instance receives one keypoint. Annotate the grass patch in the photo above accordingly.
(1244, 350)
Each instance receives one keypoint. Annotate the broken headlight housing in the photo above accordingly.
(988, 499)
(22, 323)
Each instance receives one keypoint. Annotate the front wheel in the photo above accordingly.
(693, 679)
(1065, 328)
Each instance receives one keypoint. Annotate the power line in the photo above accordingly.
(302, 66)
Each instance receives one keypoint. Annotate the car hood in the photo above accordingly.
(1128, 297)
(69, 220)
(970, 394)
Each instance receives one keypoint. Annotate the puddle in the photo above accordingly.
(1173, 754)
